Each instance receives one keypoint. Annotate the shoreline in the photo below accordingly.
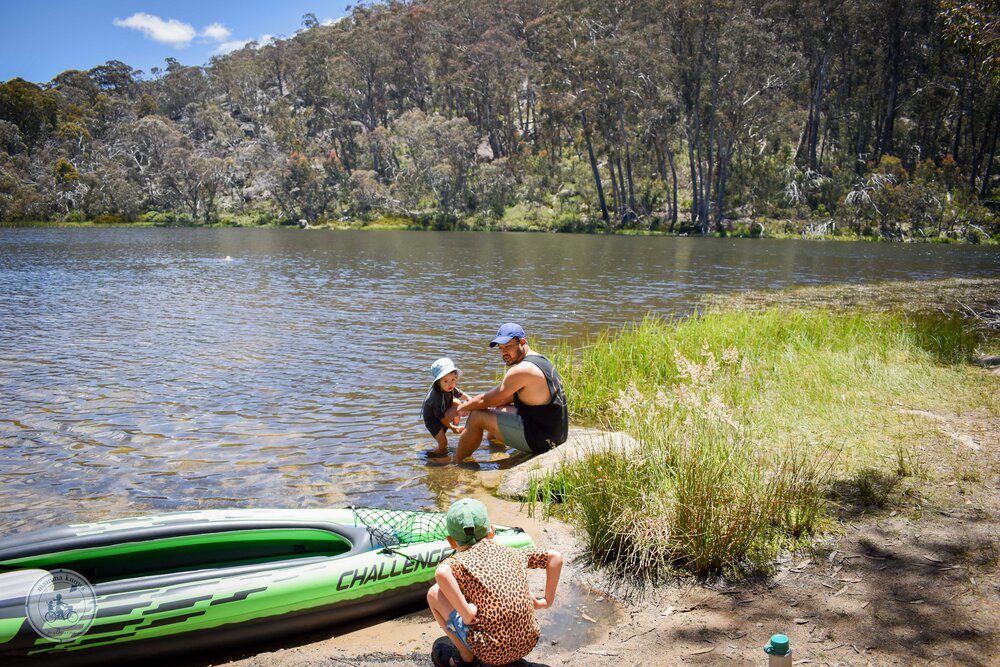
(378, 226)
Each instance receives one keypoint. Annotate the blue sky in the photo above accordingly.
(41, 38)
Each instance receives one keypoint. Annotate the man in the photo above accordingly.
(526, 411)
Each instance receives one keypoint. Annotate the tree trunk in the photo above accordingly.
(957, 141)
(616, 203)
(814, 110)
(628, 161)
(720, 187)
(593, 168)
(695, 185)
(623, 202)
(661, 163)
(984, 188)
(673, 178)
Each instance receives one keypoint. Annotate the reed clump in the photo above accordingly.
(747, 422)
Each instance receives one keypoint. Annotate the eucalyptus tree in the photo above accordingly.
(438, 157)
(192, 181)
(29, 107)
(974, 28)
(180, 89)
(240, 77)
(150, 139)
(116, 78)
(307, 189)
(480, 63)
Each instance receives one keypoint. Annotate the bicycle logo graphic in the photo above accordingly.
(60, 611)
(61, 605)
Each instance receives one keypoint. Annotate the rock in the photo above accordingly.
(581, 442)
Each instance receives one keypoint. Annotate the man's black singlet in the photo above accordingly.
(545, 426)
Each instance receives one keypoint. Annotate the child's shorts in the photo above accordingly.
(457, 626)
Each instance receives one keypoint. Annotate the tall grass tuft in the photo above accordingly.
(747, 421)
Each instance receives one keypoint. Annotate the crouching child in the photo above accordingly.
(482, 599)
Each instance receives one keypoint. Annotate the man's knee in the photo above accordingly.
(478, 418)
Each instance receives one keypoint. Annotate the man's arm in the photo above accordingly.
(502, 394)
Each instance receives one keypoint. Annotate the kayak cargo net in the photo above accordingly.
(393, 528)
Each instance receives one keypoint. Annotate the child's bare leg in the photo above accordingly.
(442, 443)
(442, 608)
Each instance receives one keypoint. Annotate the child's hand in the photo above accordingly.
(457, 429)
(540, 603)
(470, 615)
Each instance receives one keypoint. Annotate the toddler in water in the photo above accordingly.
(440, 405)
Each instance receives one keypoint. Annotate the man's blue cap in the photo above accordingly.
(507, 333)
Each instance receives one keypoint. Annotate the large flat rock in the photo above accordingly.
(581, 442)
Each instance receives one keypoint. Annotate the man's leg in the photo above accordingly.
(479, 422)
(493, 439)
(442, 608)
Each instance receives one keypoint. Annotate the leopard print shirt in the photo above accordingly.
(495, 579)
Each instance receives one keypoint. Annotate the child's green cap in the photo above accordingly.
(467, 521)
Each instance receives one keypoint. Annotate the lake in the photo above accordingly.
(159, 369)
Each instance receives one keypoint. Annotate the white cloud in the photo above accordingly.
(237, 44)
(234, 45)
(170, 31)
(217, 31)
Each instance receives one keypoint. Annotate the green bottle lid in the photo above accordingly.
(778, 645)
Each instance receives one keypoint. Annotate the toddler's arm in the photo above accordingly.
(452, 424)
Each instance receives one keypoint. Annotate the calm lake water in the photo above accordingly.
(148, 370)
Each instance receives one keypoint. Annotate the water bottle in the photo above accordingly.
(779, 653)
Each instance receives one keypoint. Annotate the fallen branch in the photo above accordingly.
(989, 317)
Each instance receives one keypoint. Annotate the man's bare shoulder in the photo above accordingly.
(524, 371)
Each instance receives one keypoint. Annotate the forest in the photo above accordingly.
(752, 117)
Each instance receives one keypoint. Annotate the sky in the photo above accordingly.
(41, 38)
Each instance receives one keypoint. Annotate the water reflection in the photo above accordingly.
(142, 370)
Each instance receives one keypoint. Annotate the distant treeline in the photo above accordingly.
(866, 117)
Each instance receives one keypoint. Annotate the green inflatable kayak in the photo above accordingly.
(145, 586)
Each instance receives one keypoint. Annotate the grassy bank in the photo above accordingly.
(755, 426)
